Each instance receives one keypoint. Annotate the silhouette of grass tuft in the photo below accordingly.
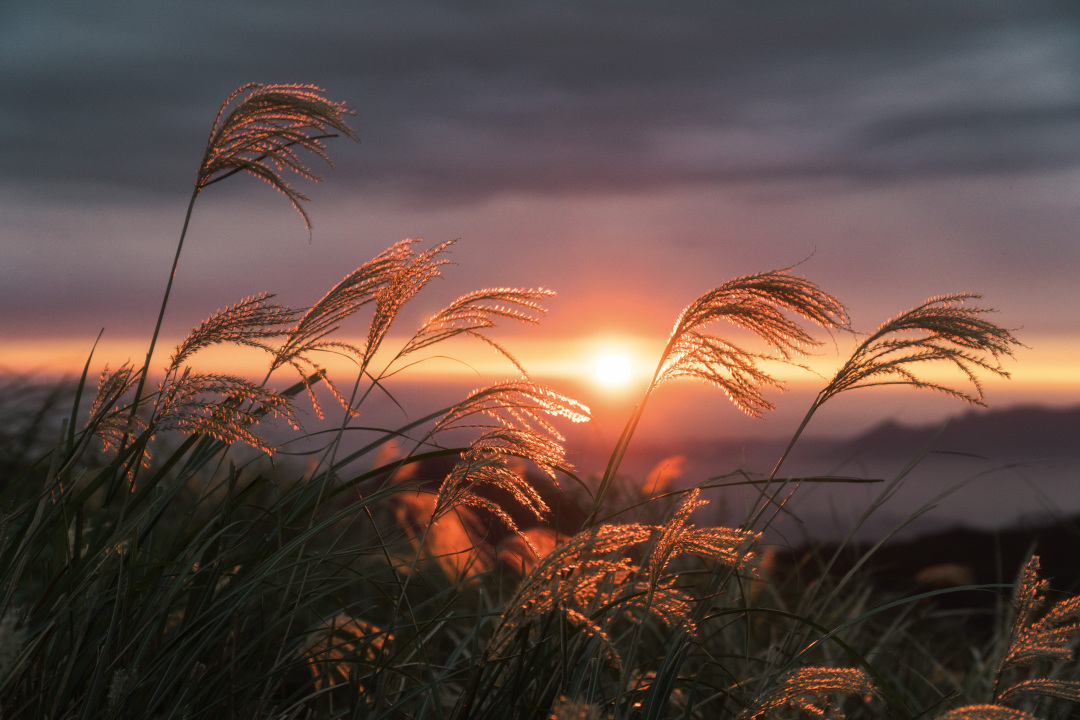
(423, 569)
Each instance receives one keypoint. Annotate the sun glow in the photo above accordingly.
(613, 369)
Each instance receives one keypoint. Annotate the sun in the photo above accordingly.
(613, 369)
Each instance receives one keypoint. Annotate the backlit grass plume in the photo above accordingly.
(107, 420)
(514, 420)
(576, 580)
(252, 322)
(758, 303)
(334, 580)
(942, 330)
(220, 406)
(357, 289)
(259, 136)
(520, 404)
(597, 578)
(1040, 638)
(477, 311)
(812, 692)
(1038, 633)
(755, 303)
(387, 281)
(678, 536)
(262, 132)
(658, 591)
(486, 463)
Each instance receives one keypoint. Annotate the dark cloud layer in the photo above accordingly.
(461, 101)
(628, 154)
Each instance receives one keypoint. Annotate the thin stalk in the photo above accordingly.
(795, 437)
(161, 311)
(776, 468)
(199, 185)
(623, 444)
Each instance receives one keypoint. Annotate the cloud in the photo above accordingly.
(460, 102)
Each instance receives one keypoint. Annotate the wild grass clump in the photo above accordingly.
(150, 569)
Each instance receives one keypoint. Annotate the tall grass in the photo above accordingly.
(418, 572)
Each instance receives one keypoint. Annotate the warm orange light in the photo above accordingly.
(613, 369)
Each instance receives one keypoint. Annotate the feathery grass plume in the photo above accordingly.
(261, 132)
(312, 331)
(940, 329)
(545, 453)
(1032, 638)
(1060, 689)
(571, 580)
(753, 302)
(249, 322)
(656, 592)
(181, 402)
(258, 136)
(520, 404)
(221, 406)
(518, 427)
(472, 471)
(1036, 636)
(417, 271)
(355, 290)
(945, 330)
(107, 420)
(678, 537)
(477, 311)
(485, 463)
(987, 712)
(811, 691)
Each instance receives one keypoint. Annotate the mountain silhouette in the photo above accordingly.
(1002, 466)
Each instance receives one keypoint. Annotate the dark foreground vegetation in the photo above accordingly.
(160, 560)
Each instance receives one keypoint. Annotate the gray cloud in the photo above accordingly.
(459, 102)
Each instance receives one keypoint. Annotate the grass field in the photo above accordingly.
(160, 560)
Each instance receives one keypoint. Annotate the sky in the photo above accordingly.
(628, 155)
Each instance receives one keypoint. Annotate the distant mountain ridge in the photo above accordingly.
(1011, 466)
(1006, 435)
(1024, 431)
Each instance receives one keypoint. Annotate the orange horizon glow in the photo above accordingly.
(1043, 375)
(1047, 363)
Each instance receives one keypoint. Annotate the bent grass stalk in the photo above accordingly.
(219, 585)
(941, 330)
(756, 303)
(257, 137)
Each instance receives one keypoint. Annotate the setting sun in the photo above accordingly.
(612, 369)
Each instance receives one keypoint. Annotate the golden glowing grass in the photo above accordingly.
(418, 570)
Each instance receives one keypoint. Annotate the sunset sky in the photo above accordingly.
(629, 156)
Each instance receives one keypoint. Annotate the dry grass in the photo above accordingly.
(209, 584)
